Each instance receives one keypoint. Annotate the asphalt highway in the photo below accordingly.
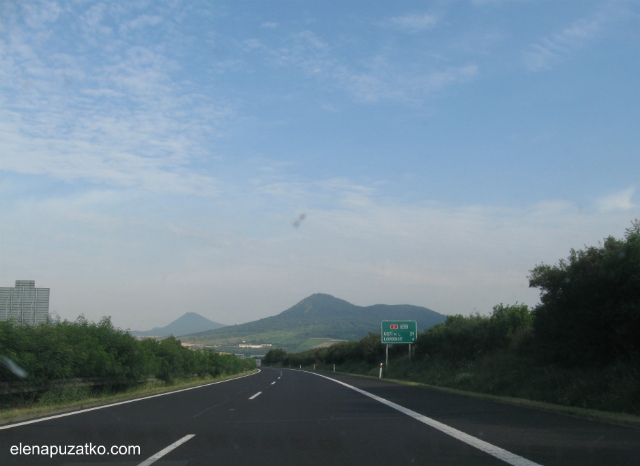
(291, 417)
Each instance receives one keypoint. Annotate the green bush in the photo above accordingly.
(590, 304)
(61, 350)
(63, 395)
(275, 356)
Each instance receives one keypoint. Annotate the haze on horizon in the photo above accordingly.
(158, 158)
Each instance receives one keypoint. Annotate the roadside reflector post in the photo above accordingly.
(387, 358)
(300, 366)
(314, 367)
(380, 376)
(334, 368)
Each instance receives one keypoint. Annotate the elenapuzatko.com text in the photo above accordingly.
(88, 449)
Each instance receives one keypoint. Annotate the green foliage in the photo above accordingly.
(368, 350)
(493, 355)
(275, 356)
(467, 338)
(458, 337)
(61, 395)
(613, 388)
(588, 320)
(62, 350)
(508, 323)
(590, 304)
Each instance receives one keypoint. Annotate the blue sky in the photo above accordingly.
(154, 156)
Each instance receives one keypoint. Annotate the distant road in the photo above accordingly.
(289, 417)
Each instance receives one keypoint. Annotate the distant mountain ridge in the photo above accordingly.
(190, 322)
(317, 316)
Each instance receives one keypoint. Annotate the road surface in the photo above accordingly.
(283, 417)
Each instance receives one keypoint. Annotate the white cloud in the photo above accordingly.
(388, 84)
(141, 22)
(45, 12)
(91, 21)
(412, 23)
(353, 244)
(106, 161)
(380, 77)
(123, 120)
(618, 201)
(120, 121)
(558, 47)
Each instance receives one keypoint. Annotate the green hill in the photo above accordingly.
(313, 321)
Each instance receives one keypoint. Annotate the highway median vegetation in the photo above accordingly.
(61, 361)
(579, 347)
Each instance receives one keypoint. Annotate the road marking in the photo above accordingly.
(504, 455)
(161, 453)
(273, 383)
(33, 421)
(211, 407)
(255, 396)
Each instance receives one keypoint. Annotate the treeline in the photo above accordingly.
(61, 350)
(458, 338)
(579, 346)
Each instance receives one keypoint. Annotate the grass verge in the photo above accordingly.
(362, 370)
(58, 403)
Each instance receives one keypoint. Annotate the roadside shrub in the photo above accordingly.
(590, 304)
(61, 350)
(66, 394)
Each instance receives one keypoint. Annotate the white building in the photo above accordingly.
(25, 303)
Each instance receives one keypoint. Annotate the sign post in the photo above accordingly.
(398, 332)
(387, 357)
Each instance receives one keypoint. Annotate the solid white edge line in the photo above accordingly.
(504, 455)
(256, 395)
(33, 421)
(164, 451)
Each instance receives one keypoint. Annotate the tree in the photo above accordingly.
(275, 356)
(590, 303)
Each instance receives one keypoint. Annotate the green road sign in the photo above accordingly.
(398, 331)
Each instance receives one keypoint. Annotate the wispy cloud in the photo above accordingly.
(373, 79)
(44, 13)
(621, 200)
(481, 3)
(91, 22)
(358, 247)
(141, 22)
(353, 244)
(164, 149)
(122, 120)
(377, 84)
(412, 23)
(560, 46)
